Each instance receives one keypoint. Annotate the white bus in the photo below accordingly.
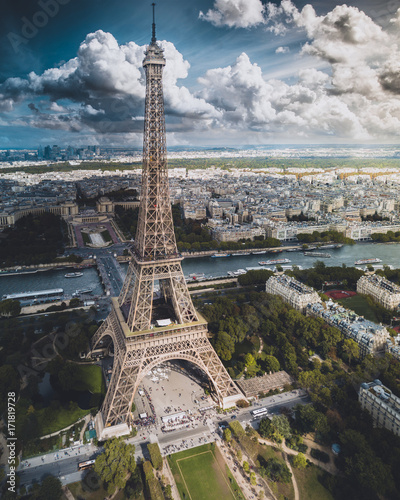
(86, 465)
(259, 412)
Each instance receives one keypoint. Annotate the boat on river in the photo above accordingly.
(273, 262)
(361, 262)
(323, 255)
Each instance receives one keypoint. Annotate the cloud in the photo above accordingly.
(235, 13)
(352, 96)
(105, 83)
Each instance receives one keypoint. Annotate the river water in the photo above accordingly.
(210, 267)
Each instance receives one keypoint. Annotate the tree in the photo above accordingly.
(75, 302)
(281, 425)
(115, 463)
(246, 467)
(350, 347)
(227, 435)
(224, 346)
(310, 379)
(276, 470)
(10, 307)
(253, 478)
(155, 455)
(308, 419)
(265, 428)
(271, 364)
(249, 360)
(299, 461)
(50, 489)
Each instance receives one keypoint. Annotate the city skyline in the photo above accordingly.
(284, 73)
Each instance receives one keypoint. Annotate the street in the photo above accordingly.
(64, 463)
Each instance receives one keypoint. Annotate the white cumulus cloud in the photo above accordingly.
(235, 13)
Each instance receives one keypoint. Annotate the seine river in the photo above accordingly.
(210, 267)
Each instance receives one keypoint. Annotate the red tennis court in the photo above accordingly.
(339, 294)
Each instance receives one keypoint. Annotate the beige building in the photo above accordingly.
(365, 231)
(236, 232)
(370, 337)
(64, 210)
(292, 291)
(105, 206)
(382, 290)
(194, 211)
(381, 404)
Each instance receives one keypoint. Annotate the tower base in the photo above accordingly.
(137, 353)
(104, 433)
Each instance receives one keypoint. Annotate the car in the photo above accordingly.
(233, 416)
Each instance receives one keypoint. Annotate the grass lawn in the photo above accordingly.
(309, 485)
(106, 235)
(200, 475)
(50, 420)
(84, 491)
(360, 306)
(243, 348)
(261, 452)
(282, 490)
(90, 378)
(86, 238)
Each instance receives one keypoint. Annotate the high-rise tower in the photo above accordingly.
(154, 320)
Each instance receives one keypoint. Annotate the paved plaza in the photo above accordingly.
(171, 397)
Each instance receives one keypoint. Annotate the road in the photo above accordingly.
(60, 464)
(111, 274)
(64, 464)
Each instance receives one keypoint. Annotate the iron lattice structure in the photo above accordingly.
(139, 344)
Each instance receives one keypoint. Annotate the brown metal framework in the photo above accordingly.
(138, 344)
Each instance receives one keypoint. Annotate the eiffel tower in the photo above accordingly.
(142, 335)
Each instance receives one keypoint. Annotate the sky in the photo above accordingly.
(238, 72)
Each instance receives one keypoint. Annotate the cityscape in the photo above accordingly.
(199, 251)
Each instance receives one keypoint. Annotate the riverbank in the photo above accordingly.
(35, 268)
(238, 253)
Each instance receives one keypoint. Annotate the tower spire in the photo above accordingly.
(153, 38)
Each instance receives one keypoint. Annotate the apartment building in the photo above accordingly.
(292, 291)
(370, 337)
(381, 404)
(382, 290)
(236, 232)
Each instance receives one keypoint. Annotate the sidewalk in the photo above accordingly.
(240, 477)
(57, 456)
(329, 467)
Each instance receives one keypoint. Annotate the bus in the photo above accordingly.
(86, 465)
(259, 412)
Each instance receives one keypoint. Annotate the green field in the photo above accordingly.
(90, 378)
(310, 487)
(200, 473)
(359, 305)
(50, 421)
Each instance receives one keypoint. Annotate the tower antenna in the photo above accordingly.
(153, 38)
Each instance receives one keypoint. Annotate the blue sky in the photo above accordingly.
(238, 72)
